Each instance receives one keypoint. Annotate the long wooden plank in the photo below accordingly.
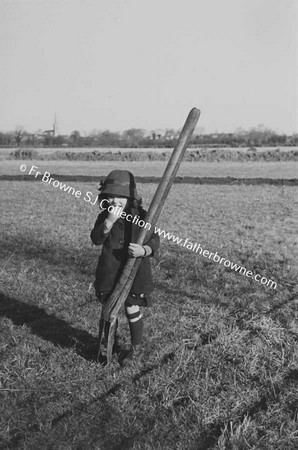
(121, 290)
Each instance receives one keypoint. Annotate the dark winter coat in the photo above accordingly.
(115, 253)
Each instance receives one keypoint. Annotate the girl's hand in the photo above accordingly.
(112, 217)
(135, 250)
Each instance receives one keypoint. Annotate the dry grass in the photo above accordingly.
(221, 362)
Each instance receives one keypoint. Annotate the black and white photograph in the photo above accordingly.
(148, 225)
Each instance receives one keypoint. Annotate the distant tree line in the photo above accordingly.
(139, 138)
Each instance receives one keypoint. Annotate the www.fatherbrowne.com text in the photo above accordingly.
(104, 205)
(194, 247)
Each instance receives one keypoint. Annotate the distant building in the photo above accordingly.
(50, 132)
(53, 131)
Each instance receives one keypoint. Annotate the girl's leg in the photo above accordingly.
(136, 323)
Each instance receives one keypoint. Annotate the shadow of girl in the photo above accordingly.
(48, 326)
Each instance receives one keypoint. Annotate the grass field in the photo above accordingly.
(272, 169)
(220, 367)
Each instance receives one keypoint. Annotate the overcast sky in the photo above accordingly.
(118, 64)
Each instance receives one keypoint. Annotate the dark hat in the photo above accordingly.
(119, 182)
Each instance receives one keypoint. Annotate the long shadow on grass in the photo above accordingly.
(52, 252)
(48, 326)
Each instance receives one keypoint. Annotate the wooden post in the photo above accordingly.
(122, 289)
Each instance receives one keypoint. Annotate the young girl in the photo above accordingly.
(116, 229)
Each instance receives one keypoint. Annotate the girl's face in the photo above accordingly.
(117, 201)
